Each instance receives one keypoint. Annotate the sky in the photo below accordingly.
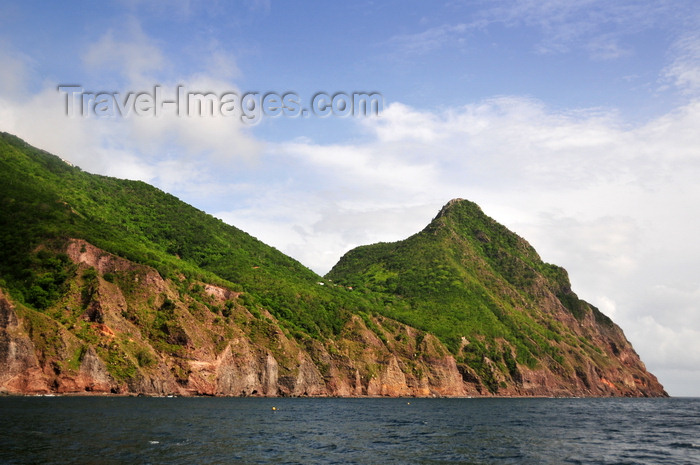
(573, 122)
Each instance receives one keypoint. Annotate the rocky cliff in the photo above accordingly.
(106, 337)
(511, 321)
(109, 336)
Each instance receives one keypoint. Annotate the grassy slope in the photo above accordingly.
(43, 199)
(467, 276)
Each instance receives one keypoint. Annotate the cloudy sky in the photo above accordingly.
(573, 122)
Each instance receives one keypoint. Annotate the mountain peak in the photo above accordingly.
(459, 207)
(454, 213)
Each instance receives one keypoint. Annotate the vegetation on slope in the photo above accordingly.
(471, 282)
(43, 200)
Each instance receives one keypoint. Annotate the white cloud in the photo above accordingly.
(402, 123)
(359, 167)
(684, 381)
(673, 348)
(221, 63)
(501, 141)
(317, 229)
(14, 73)
(139, 59)
(133, 146)
(684, 71)
(41, 120)
(127, 52)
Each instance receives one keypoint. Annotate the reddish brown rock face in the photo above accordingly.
(201, 353)
(20, 371)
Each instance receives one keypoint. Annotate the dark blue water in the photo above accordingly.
(94, 430)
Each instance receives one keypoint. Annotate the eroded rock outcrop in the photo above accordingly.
(148, 337)
(20, 371)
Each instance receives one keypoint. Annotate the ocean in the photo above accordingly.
(122, 430)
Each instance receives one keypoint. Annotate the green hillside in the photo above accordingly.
(473, 283)
(45, 200)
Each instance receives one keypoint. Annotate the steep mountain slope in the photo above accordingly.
(109, 285)
(511, 320)
(114, 286)
(44, 199)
